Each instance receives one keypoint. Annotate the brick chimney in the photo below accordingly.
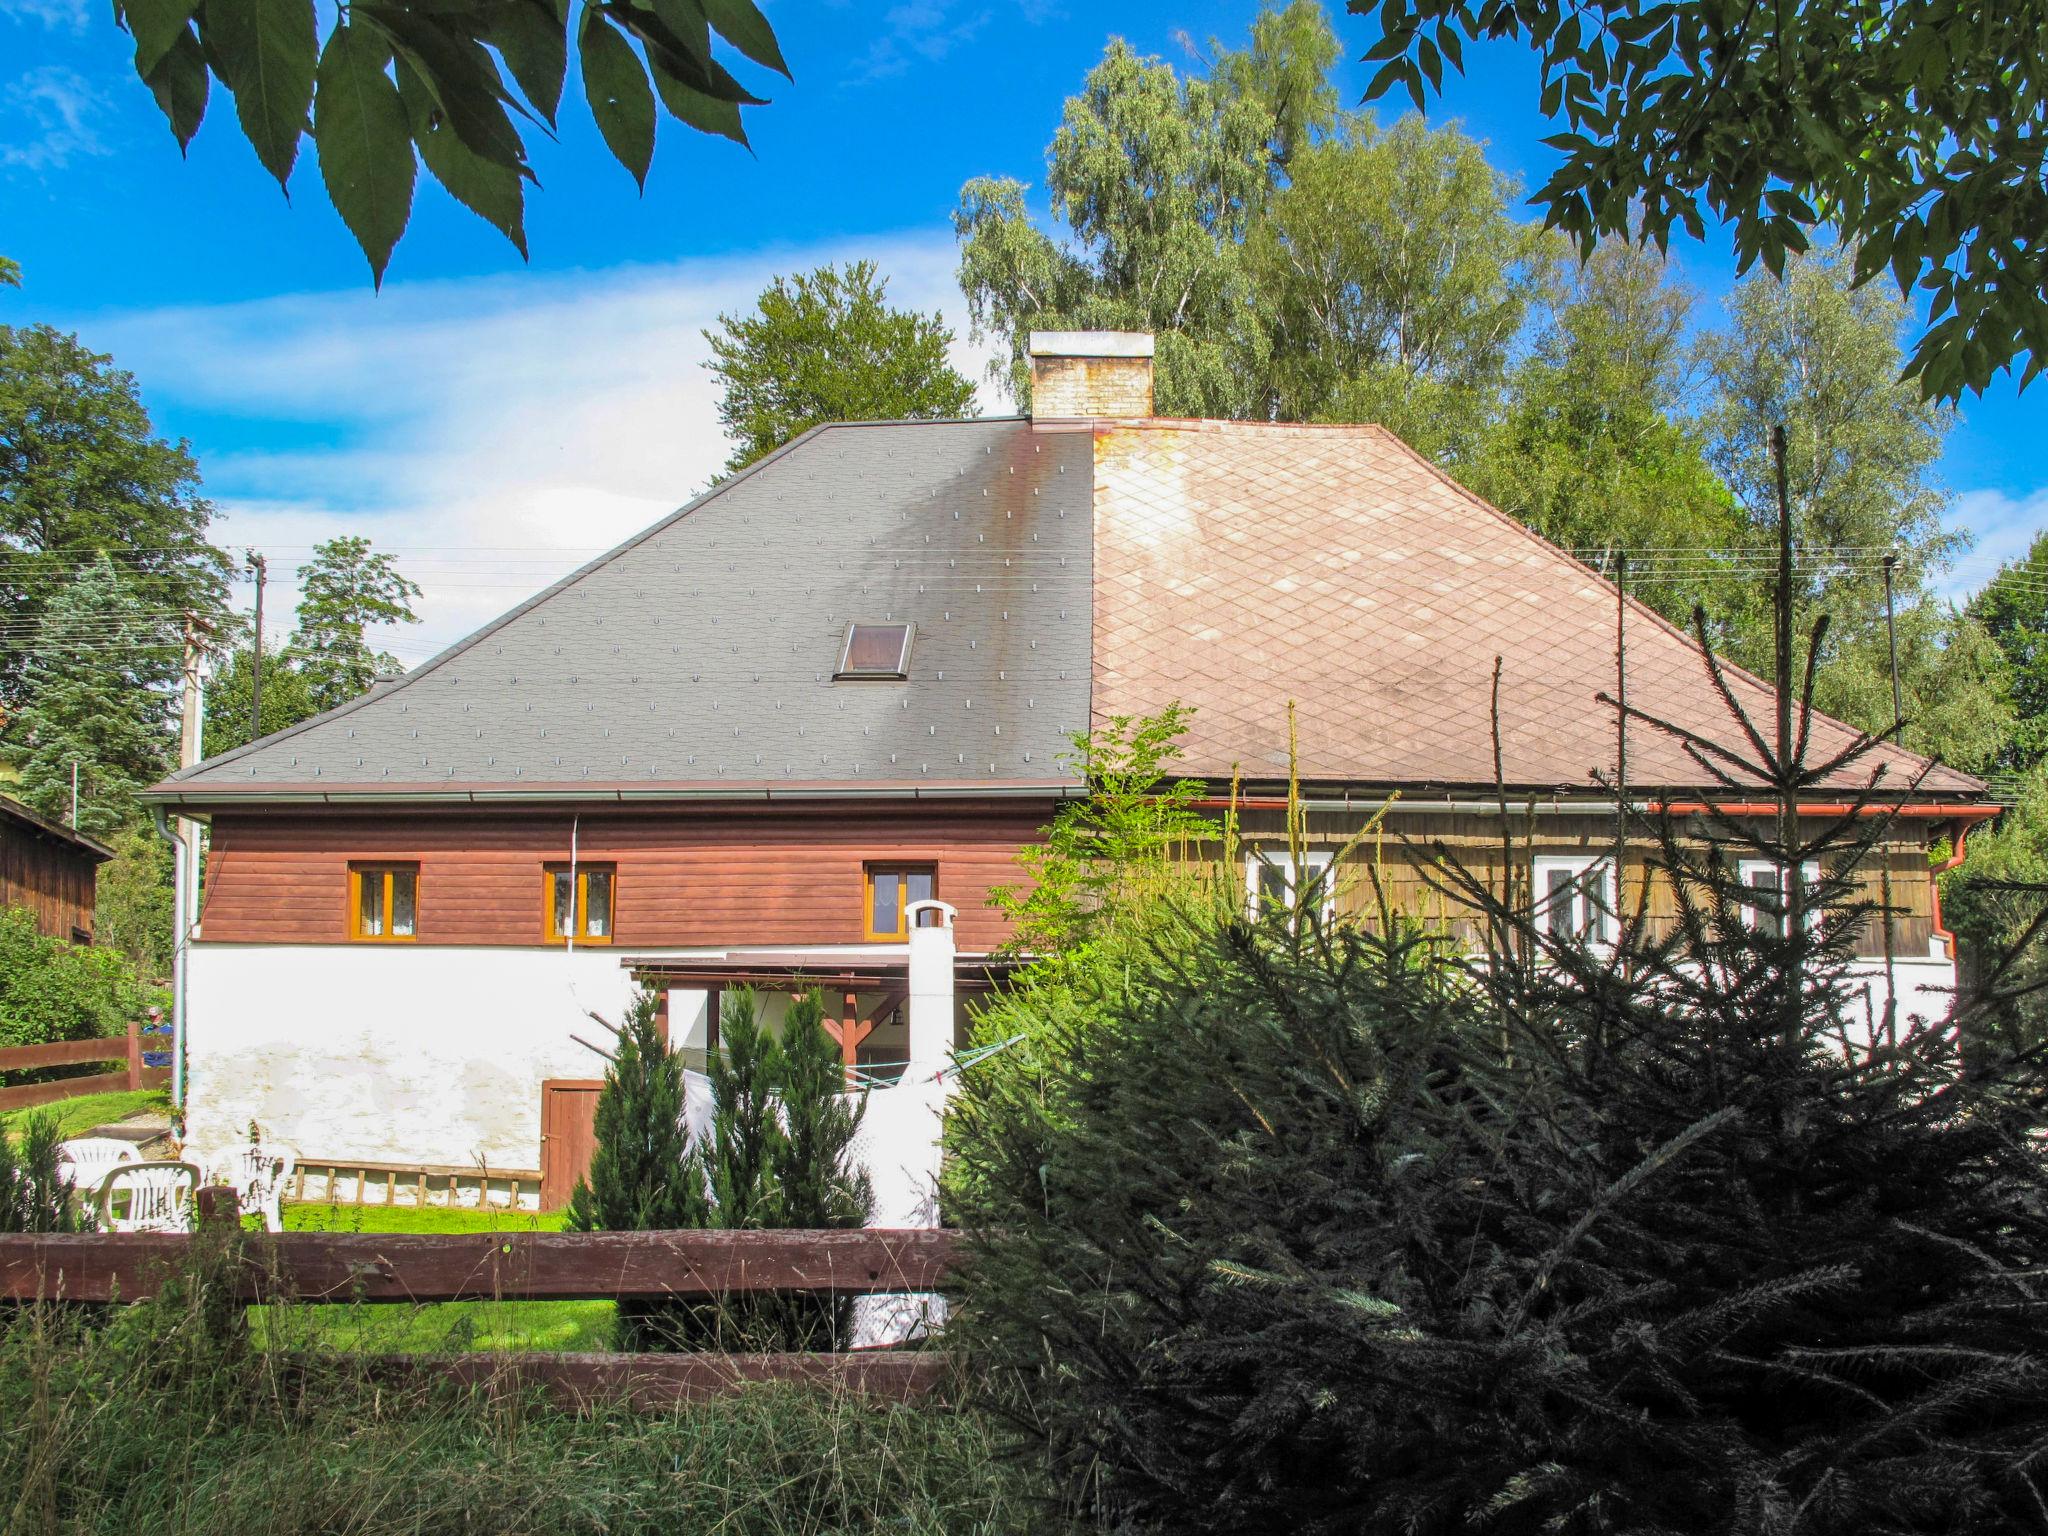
(1079, 374)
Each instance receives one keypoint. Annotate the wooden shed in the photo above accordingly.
(50, 869)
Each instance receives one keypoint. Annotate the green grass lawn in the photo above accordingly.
(390, 1327)
(77, 1116)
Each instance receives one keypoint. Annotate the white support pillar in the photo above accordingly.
(931, 986)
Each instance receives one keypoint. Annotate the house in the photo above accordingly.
(757, 742)
(50, 869)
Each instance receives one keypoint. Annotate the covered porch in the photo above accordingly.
(887, 1007)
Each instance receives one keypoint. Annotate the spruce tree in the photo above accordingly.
(818, 1184)
(89, 679)
(643, 1176)
(746, 1136)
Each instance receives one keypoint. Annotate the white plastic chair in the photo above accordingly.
(153, 1197)
(87, 1161)
(258, 1173)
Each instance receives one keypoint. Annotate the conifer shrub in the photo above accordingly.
(1332, 1233)
(34, 1194)
(779, 1153)
(643, 1176)
(1203, 1225)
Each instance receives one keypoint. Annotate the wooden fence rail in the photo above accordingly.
(126, 1050)
(533, 1266)
(485, 1266)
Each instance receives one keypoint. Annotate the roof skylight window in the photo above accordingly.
(875, 651)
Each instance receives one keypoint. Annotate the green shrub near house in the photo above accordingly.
(51, 990)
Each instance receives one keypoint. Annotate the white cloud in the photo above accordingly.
(58, 107)
(924, 30)
(2002, 527)
(67, 14)
(493, 433)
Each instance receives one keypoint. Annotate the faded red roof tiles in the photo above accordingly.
(1239, 566)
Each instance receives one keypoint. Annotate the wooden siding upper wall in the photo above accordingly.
(51, 879)
(691, 876)
(1400, 852)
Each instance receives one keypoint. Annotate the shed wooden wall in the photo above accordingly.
(53, 879)
(688, 876)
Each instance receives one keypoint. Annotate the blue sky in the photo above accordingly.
(494, 420)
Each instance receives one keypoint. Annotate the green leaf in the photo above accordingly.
(687, 23)
(179, 83)
(265, 52)
(364, 141)
(534, 41)
(620, 98)
(703, 112)
(156, 25)
(460, 77)
(741, 23)
(492, 191)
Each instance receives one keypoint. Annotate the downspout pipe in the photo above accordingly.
(181, 878)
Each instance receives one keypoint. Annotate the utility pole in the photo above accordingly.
(189, 859)
(74, 794)
(1891, 638)
(257, 565)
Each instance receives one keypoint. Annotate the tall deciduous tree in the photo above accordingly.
(1910, 127)
(345, 589)
(1394, 284)
(2013, 608)
(1597, 450)
(83, 474)
(92, 676)
(446, 84)
(1157, 177)
(1291, 262)
(826, 346)
(1821, 356)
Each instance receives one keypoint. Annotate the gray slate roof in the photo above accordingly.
(698, 656)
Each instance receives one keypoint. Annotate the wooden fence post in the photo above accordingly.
(134, 1054)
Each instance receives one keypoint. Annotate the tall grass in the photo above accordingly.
(168, 1417)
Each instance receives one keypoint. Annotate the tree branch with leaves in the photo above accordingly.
(455, 84)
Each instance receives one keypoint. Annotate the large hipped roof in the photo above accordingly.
(1056, 576)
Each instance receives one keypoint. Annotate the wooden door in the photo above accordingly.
(568, 1135)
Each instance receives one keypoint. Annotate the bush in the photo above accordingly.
(136, 913)
(642, 1176)
(50, 990)
(34, 1195)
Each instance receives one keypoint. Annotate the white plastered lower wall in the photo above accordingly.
(391, 1053)
(409, 1054)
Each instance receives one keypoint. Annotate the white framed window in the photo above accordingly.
(1575, 899)
(1272, 879)
(1769, 875)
